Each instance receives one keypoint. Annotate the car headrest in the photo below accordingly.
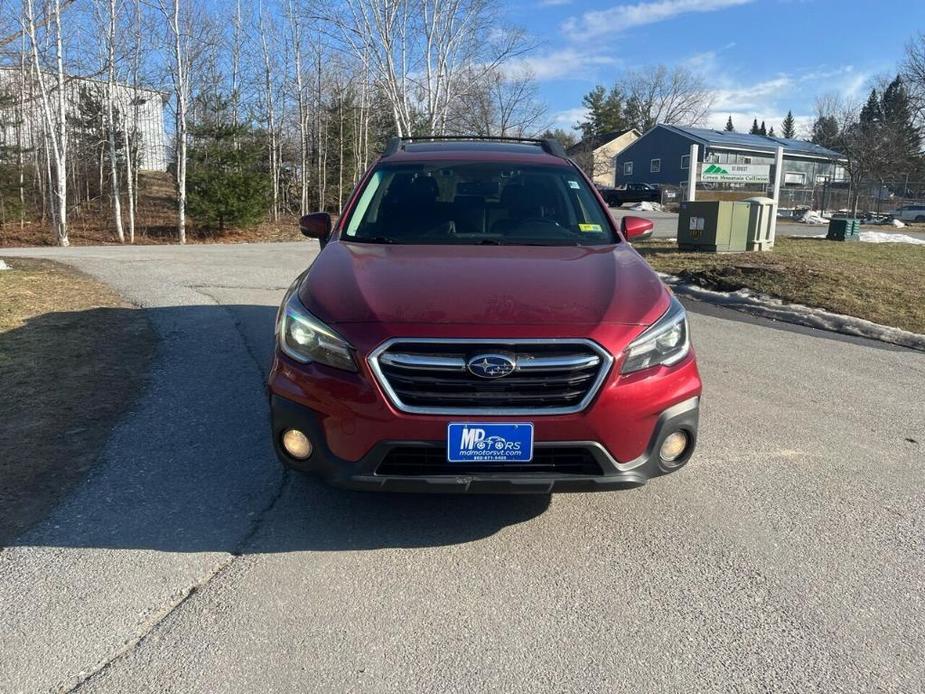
(518, 200)
(424, 189)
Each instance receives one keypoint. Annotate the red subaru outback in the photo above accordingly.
(476, 322)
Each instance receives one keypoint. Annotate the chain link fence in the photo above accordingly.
(874, 199)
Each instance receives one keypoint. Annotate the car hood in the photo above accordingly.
(502, 285)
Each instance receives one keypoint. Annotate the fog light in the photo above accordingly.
(674, 446)
(297, 444)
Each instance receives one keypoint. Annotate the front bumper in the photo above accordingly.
(366, 472)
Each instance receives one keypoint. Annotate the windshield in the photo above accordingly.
(478, 203)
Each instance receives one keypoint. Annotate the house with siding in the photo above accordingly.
(662, 156)
(596, 155)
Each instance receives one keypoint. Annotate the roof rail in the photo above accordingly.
(549, 145)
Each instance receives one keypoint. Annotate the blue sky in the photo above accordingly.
(762, 57)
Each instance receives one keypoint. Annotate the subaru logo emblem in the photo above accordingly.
(490, 365)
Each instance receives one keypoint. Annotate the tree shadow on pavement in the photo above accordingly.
(191, 467)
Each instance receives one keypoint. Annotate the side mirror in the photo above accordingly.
(316, 226)
(637, 228)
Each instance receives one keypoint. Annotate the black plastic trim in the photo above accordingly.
(361, 474)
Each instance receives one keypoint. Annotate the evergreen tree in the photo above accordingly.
(227, 180)
(605, 112)
(565, 137)
(771, 132)
(788, 127)
(730, 128)
(826, 132)
(755, 129)
(901, 136)
(871, 115)
(762, 130)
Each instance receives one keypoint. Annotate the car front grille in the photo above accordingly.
(549, 376)
(406, 461)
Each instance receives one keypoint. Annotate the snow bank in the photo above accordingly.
(886, 237)
(4, 266)
(646, 206)
(874, 237)
(813, 217)
(769, 307)
(898, 224)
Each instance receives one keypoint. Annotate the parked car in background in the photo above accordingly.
(909, 213)
(477, 322)
(630, 192)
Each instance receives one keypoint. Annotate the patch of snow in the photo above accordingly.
(886, 237)
(775, 309)
(646, 206)
(897, 223)
(4, 266)
(813, 217)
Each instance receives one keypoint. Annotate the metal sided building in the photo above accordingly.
(140, 108)
(662, 156)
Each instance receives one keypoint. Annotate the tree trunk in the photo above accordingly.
(21, 117)
(55, 123)
(180, 91)
(130, 187)
(111, 125)
(296, 30)
(271, 117)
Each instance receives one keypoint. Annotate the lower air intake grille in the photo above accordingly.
(431, 461)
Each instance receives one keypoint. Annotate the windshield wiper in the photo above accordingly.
(375, 239)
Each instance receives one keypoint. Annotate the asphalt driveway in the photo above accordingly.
(788, 556)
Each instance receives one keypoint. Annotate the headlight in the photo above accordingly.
(666, 342)
(306, 339)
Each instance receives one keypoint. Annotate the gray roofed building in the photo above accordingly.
(662, 156)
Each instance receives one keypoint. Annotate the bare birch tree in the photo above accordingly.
(178, 73)
(269, 106)
(111, 122)
(296, 35)
(131, 133)
(54, 116)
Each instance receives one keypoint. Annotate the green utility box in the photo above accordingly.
(760, 220)
(714, 226)
(844, 230)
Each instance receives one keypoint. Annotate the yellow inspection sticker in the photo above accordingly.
(589, 227)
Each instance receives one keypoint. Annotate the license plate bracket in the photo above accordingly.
(484, 442)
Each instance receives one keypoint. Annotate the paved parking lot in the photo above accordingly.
(788, 556)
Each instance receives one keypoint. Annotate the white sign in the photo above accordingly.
(696, 223)
(735, 173)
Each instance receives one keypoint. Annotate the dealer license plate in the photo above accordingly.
(489, 443)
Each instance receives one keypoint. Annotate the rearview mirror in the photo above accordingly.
(636, 228)
(316, 226)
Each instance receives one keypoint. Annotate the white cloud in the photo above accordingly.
(568, 118)
(567, 62)
(622, 17)
(753, 96)
(770, 99)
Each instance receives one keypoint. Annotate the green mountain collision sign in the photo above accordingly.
(735, 173)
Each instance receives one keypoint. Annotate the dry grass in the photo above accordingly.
(73, 357)
(881, 282)
(90, 223)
